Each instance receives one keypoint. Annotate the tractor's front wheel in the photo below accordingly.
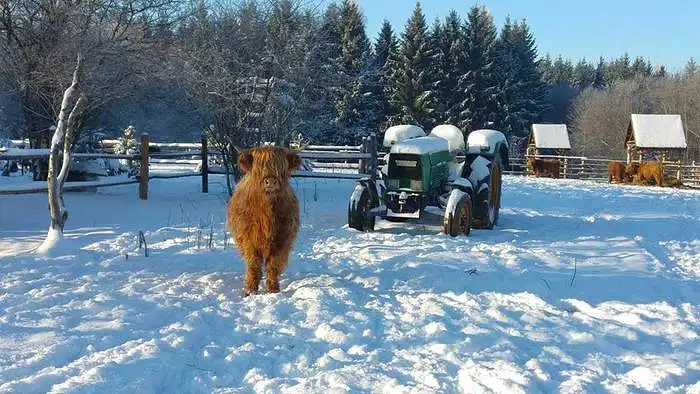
(359, 216)
(458, 214)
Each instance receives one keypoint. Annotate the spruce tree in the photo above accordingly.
(547, 70)
(386, 44)
(477, 86)
(410, 90)
(641, 68)
(521, 90)
(320, 114)
(438, 70)
(562, 70)
(600, 71)
(583, 75)
(385, 48)
(357, 105)
(454, 68)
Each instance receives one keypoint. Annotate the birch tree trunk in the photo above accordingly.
(63, 135)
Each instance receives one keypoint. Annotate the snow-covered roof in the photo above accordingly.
(421, 145)
(453, 135)
(658, 131)
(482, 137)
(551, 136)
(398, 133)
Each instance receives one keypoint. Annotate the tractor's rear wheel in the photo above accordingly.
(495, 192)
(359, 216)
(488, 217)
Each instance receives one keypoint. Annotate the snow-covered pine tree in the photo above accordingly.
(358, 107)
(599, 81)
(454, 67)
(583, 75)
(619, 69)
(410, 90)
(562, 70)
(439, 68)
(547, 69)
(691, 67)
(641, 68)
(126, 145)
(385, 47)
(477, 86)
(521, 90)
(320, 115)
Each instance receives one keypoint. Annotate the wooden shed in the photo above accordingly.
(548, 139)
(657, 137)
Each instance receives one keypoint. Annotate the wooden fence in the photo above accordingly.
(334, 162)
(578, 167)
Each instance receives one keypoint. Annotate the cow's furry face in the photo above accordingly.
(271, 166)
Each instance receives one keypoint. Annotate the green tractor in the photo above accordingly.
(436, 170)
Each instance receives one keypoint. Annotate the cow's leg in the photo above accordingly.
(253, 272)
(659, 178)
(275, 266)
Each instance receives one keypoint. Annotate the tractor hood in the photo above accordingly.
(421, 145)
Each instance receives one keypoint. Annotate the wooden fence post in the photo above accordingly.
(374, 163)
(362, 162)
(143, 180)
(205, 165)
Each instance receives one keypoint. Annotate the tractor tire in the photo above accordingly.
(458, 217)
(488, 217)
(359, 216)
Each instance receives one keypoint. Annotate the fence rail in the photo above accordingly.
(334, 162)
(579, 167)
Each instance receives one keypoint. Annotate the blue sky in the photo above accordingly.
(664, 32)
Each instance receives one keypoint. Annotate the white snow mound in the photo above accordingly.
(453, 135)
(484, 137)
(397, 134)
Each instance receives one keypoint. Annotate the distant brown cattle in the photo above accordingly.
(263, 214)
(645, 172)
(540, 166)
(616, 170)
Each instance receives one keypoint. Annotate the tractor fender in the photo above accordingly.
(464, 185)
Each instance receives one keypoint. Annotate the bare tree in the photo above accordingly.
(250, 74)
(40, 39)
(599, 118)
(71, 105)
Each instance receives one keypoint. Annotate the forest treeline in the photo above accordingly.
(250, 71)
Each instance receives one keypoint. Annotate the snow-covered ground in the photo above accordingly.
(583, 287)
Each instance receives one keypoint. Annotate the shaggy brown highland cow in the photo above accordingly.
(540, 166)
(649, 171)
(263, 214)
(616, 170)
